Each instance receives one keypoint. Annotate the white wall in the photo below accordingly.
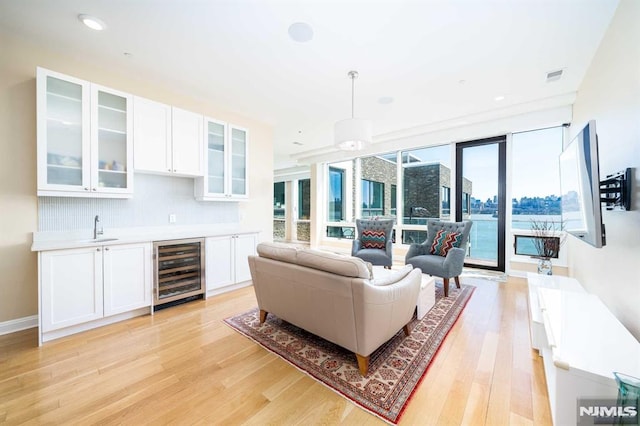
(18, 201)
(610, 94)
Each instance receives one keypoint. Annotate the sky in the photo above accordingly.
(535, 170)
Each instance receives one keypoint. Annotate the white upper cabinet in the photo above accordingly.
(168, 140)
(238, 161)
(225, 176)
(187, 142)
(84, 138)
(151, 136)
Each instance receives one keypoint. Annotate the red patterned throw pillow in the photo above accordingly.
(372, 239)
(445, 241)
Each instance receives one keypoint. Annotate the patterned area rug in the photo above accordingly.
(395, 369)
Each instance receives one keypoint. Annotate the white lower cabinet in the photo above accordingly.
(70, 287)
(78, 286)
(127, 277)
(226, 260)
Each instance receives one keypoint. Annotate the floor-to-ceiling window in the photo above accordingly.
(336, 194)
(426, 177)
(372, 198)
(303, 220)
(535, 185)
(481, 172)
(378, 185)
(417, 184)
(340, 199)
(279, 211)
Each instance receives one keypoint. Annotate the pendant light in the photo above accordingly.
(352, 134)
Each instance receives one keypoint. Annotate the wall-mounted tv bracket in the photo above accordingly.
(615, 190)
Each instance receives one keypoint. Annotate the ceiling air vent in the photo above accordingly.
(554, 76)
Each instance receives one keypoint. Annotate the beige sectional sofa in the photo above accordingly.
(333, 296)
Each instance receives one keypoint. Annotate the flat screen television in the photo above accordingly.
(580, 187)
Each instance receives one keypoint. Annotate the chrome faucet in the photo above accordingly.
(97, 231)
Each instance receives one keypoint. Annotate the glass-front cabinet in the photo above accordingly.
(226, 163)
(84, 138)
(238, 162)
(216, 150)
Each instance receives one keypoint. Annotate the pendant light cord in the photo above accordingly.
(353, 81)
(353, 75)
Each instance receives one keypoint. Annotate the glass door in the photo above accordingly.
(480, 197)
(111, 146)
(238, 162)
(65, 125)
(215, 157)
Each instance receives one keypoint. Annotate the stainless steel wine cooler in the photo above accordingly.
(179, 270)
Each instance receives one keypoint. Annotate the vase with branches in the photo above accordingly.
(549, 236)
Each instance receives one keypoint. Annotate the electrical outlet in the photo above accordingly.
(172, 218)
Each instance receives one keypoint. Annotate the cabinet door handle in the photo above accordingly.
(86, 189)
(106, 249)
(98, 249)
(168, 170)
(93, 189)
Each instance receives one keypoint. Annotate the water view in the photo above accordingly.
(484, 233)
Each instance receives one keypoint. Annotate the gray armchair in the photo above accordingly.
(373, 243)
(444, 266)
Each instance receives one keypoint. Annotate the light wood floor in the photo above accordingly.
(184, 366)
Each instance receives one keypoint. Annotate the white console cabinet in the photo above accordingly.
(582, 344)
(80, 287)
(226, 261)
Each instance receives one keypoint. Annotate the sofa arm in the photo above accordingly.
(454, 262)
(381, 311)
(389, 249)
(415, 250)
(355, 247)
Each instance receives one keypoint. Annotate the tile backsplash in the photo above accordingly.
(154, 199)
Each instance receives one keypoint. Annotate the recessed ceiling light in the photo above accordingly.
(92, 22)
(499, 98)
(385, 100)
(300, 32)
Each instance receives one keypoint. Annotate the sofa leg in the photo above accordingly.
(406, 329)
(363, 364)
(263, 316)
(387, 267)
(457, 281)
(446, 287)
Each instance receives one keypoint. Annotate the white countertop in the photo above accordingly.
(43, 241)
(584, 335)
(536, 281)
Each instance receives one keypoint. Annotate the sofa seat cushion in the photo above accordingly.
(278, 251)
(346, 266)
(382, 276)
(445, 241)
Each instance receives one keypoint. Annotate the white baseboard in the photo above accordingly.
(232, 287)
(12, 326)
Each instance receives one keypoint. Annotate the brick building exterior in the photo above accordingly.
(422, 186)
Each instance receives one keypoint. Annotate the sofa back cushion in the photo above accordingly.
(346, 266)
(278, 251)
